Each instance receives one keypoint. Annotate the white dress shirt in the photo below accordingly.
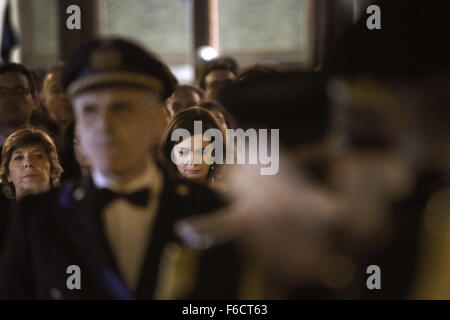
(128, 227)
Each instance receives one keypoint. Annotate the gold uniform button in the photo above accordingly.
(78, 194)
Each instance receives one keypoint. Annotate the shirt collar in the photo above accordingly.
(151, 178)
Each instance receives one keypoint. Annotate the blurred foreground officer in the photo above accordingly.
(112, 237)
(396, 118)
(384, 201)
(285, 221)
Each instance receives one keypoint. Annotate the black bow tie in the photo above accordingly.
(139, 198)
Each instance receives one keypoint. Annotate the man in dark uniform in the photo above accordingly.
(395, 81)
(108, 238)
(390, 101)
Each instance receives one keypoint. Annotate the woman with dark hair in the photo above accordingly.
(29, 163)
(182, 155)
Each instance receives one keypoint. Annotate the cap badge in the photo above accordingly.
(106, 59)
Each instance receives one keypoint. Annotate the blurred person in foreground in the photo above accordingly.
(372, 190)
(116, 227)
(394, 105)
(282, 221)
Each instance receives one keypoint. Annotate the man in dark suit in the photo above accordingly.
(112, 237)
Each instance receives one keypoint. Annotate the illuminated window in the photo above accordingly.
(264, 30)
(164, 27)
(39, 35)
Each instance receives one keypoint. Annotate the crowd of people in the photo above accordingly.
(89, 178)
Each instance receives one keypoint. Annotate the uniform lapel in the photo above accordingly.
(161, 234)
(85, 227)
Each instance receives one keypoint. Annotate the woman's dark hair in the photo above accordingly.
(185, 120)
(212, 106)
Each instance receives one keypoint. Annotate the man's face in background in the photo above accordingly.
(215, 81)
(182, 99)
(16, 101)
(55, 99)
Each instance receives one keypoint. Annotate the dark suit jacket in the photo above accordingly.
(54, 230)
(7, 207)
